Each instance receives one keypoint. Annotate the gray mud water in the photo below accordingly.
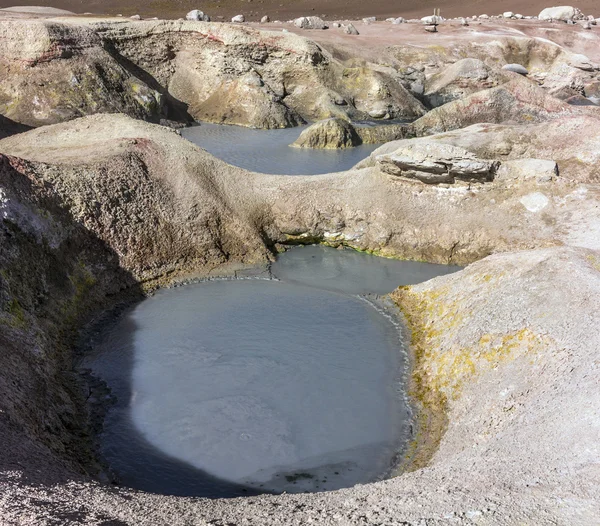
(233, 387)
(352, 272)
(269, 151)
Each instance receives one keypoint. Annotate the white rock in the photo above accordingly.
(369, 20)
(431, 19)
(336, 24)
(399, 20)
(543, 170)
(516, 68)
(265, 19)
(484, 17)
(135, 17)
(534, 202)
(197, 15)
(519, 17)
(586, 25)
(564, 13)
(351, 30)
(238, 19)
(508, 14)
(310, 22)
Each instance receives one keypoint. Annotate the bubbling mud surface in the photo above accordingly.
(269, 151)
(233, 387)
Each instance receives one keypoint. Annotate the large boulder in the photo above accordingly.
(564, 13)
(339, 133)
(310, 22)
(52, 72)
(436, 163)
(198, 16)
(328, 134)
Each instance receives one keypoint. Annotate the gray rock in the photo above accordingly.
(516, 68)
(310, 22)
(435, 163)
(579, 61)
(351, 30)
(379, 113)
(135, 17)
(238, 19)
(197, 15)
(431, 29)
(399, 20)
(369, 20)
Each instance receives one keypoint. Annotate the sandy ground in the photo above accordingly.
(286, 9)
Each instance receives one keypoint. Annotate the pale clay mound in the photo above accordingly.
(103, 208)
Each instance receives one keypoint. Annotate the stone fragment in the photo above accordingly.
(435, 163)
(135, 17)
(399, 20)
(369, 20)
(265, 19)
(351, 30)
(238, 19)
(579, 61)
(508, 14)
(516, 68)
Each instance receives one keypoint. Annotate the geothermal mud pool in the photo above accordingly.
(229, 387)
(269, 151)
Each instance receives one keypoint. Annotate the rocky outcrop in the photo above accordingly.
(504, 366)
(518, 101)
(52, 72)
(205, 66)
(55, 71)
(328, 134)
(577, 159)
(339, 133)
(436, 163)
(463, 78)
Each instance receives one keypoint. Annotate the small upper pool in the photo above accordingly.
(269, 151)
(235, 387)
